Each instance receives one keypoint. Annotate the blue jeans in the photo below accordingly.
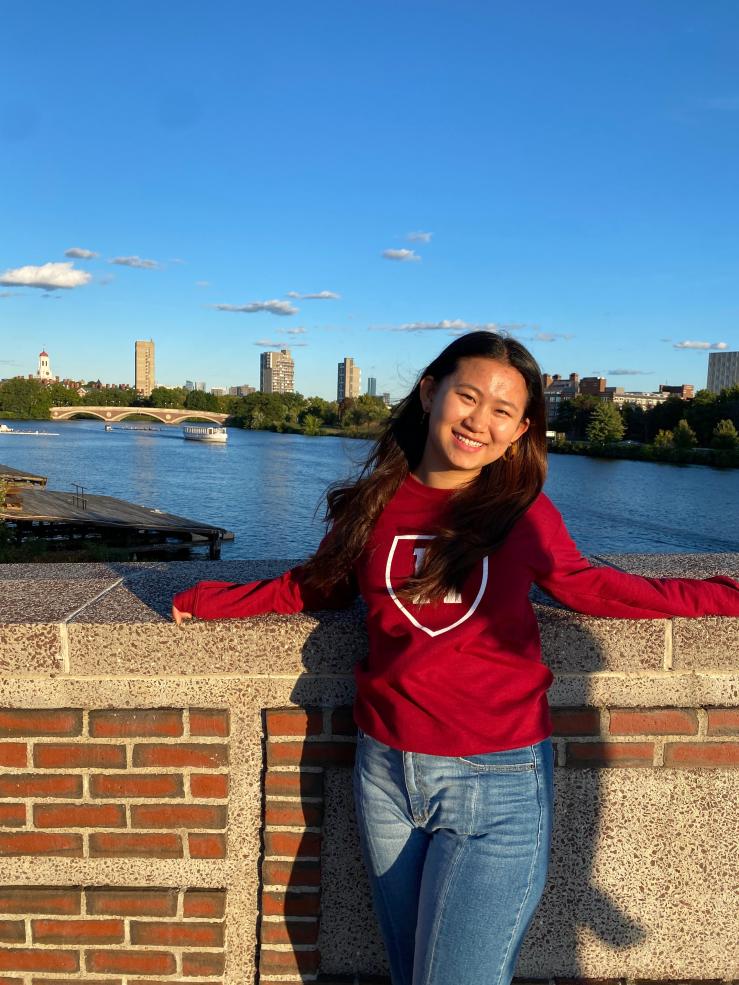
(457, 851)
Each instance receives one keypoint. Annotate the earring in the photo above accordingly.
(510, 452)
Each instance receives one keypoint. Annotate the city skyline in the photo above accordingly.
(588, 211)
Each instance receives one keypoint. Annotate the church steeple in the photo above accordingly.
(44, 370)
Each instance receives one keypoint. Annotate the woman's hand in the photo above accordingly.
(180, 616)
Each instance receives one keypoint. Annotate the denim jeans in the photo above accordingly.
(457, 851)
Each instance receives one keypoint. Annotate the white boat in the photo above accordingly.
(195, 432)
(4, 429)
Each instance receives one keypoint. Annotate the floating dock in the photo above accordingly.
(17, 477)
(63, 516)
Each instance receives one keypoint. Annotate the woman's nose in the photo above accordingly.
(476, 420)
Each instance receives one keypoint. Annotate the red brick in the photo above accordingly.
(199, 755)
(575, 721)
(324, 754)
(38, 959)
(12, 931)
(79, 816)
(52, 755)
(170, 981)
(199, 963)
(25, 721)
(595, 754)
(191, 934)
(294, 721)
(292, 844)
(342, 721)
(287, 962)
(131, 962)
(290, 904)
(298, 873)
(702, 755)
(24, 899)
(293, 814)
(178, 816)
(123, 724)
(5, 980)
(33, 843)
(279, 784)
(290, 932)
(205, 903)
(12, 815)
(207, 846)
(13, 754)
(40, 785)
(66, 981)
(115, 845)
(209, 721)
(132, 902)
(136, 785)
(77, 931)
(723, 721)
(209, 785)
(653, 721)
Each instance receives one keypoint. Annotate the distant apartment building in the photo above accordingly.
(618, 396)
(144, 367)
(557, 389)
(686, 391)
(240, 391)
(349, 379)
(194, 385)
(371, 386)
(277, 372)
(386, 399)
(723, 370)
(593, 386)
(219, 391)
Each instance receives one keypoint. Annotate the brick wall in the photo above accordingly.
(302, 743)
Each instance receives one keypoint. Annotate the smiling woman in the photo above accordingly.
(443, 535)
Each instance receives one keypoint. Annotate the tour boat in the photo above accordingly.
(195, 432)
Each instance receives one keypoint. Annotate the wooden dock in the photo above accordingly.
(18, 477)
(58, 514)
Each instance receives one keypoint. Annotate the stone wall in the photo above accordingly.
(175, 804)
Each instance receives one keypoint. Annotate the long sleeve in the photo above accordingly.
(572, 580)
(285, 594)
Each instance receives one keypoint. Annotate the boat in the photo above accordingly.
(196, 432)
(4, 429)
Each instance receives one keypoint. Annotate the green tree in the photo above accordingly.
(311, 424)
(573, 415)
(200, 400)
(725, 435)
(164, 396)
(605, 424)
(25, 399)
(663, 439)
(684, 436)
(63, 396)
(112, 397)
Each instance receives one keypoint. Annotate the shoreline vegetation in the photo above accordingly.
(702, 430)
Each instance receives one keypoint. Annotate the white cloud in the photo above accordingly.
(137, 262)
(292, 331)
(78, 253)
(630, 372)
(319, 296)
(273, 307)
(48, 276)
(202, 283)
(403, 255)
(550, 337)
(8, 294)
(270, 344)
(688, 344)
(456, 326)
(419, 237)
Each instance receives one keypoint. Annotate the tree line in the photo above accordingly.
(24, 399)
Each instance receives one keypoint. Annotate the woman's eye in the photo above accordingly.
(467, 396)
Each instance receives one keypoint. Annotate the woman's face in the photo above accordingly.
(475, 414)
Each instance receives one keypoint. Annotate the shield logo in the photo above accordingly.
(433, 618)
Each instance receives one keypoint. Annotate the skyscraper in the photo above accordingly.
(277, 372)
(144, 367)
(349, 379)
(723, 370)
(371, 386)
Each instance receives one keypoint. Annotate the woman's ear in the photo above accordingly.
(521, 429)
(427, 389)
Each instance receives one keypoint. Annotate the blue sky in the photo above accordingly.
(573, 166)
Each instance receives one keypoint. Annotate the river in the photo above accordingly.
(266, 487)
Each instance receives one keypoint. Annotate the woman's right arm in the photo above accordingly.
(287, 593)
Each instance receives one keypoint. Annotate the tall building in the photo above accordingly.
(349, 379)
(194, 385)
(723, 370)
(44, 370)
(240, 391)
(144, 367)
(371, 386)
(683, 390)
(595, 386)
(277, 372)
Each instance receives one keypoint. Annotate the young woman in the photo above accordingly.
(443, 535)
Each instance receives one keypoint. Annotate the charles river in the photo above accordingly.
(266, 487)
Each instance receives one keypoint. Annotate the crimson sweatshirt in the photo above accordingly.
(463, 675)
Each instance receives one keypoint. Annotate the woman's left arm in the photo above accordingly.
(571, 579)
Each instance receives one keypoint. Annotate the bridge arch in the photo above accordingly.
(114, 415)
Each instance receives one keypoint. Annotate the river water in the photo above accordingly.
(266, 487)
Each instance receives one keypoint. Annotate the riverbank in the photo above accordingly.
(722, 458)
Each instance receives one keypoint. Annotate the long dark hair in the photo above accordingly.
(482, 511)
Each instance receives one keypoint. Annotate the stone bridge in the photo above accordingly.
(113, 415)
